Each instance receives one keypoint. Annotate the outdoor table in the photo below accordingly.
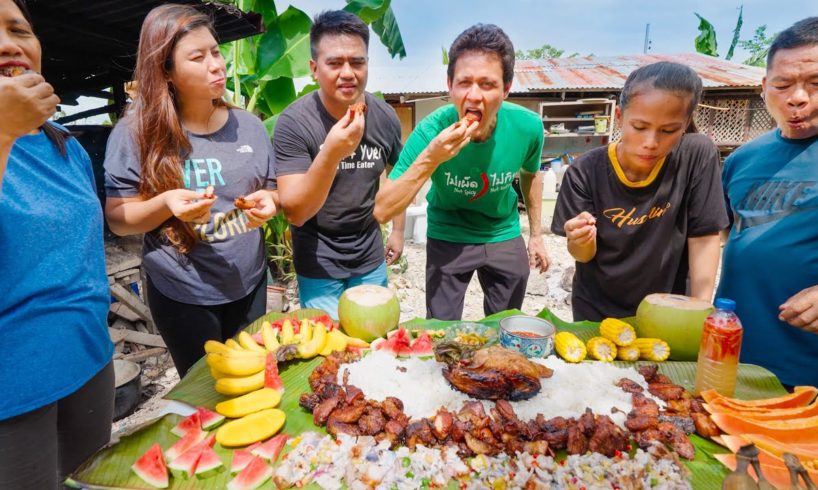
(110, 467)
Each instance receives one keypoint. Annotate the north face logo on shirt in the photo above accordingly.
(771, 201)
(245, 149)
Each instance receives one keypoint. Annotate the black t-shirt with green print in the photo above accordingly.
(642, 228)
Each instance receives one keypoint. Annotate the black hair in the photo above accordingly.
(668, 76)
(486, 38)
(336, 23)
(54, 134)
(802, 33)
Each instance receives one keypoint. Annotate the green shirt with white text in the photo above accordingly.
(472, 199)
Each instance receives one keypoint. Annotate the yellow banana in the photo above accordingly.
(233, 344)
(355, 342)
(232, 365)
(287, 333)
(311, 348)
(216, 374)
(240, 386)
(215, 346)
(305, 334)
(248, 343)
(336, 342)
(269, 336)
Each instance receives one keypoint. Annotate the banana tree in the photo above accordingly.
(261, 71)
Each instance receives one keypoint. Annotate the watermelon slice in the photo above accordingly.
(185, 465)
(191, 422)
(251, 477)
(271, 376)
(209, 464)
(398, 343)
(210, 420)
(193, 437)
(422, 346)
(271, 449)
(242, 457)
(151, 467)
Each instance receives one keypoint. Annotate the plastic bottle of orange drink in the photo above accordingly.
(719, 350)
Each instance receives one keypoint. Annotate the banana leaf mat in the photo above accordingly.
(110, 467)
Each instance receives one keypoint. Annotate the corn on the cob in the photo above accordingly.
(569, 347)
(601, 349)
(627, 353)
(652, 349)
(617, 331)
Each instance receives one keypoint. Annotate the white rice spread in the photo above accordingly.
(420, 385)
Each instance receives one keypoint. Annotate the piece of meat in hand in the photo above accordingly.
(496, 373)
(242, 203)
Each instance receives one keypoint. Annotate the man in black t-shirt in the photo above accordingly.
(329, 160)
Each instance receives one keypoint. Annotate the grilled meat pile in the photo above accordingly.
(684, 414)
(492, 373)
(342, 408)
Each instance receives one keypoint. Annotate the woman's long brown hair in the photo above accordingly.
(163, 144)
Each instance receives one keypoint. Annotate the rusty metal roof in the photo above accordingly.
(597, 73)
(91, 44)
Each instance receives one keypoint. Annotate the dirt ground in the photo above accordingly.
(551, 290)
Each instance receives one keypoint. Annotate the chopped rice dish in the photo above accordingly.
(363, 462)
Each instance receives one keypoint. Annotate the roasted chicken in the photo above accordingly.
(493, 373)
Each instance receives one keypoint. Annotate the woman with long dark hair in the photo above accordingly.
(176, 167)
(643, 214)
(56, 373)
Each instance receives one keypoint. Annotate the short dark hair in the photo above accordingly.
(485, 38)
(802, 33)
(664, 75)
(336, 23)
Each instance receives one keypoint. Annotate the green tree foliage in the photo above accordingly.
(545, 52)
(758, 46)
(706, 40)
(261, 69)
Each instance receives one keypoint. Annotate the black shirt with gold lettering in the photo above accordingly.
(642, 227)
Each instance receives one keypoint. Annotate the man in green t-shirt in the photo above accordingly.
(472, 149)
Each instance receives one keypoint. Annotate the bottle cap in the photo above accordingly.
(725, 304)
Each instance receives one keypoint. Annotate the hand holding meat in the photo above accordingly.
(189, 206)
(581, 228)
(449, 142)
(27, 102)
(345, 136)
(801, 310)
(263, 208)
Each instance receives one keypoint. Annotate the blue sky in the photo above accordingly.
(601, 27)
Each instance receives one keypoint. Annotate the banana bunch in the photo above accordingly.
(238, 366)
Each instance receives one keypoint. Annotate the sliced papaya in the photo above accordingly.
(810, 410)
(801, 451)
(779, 476)
(800, 397)
(788, 431)
(734, 443)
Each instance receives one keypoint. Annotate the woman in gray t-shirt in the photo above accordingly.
(174, 168)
